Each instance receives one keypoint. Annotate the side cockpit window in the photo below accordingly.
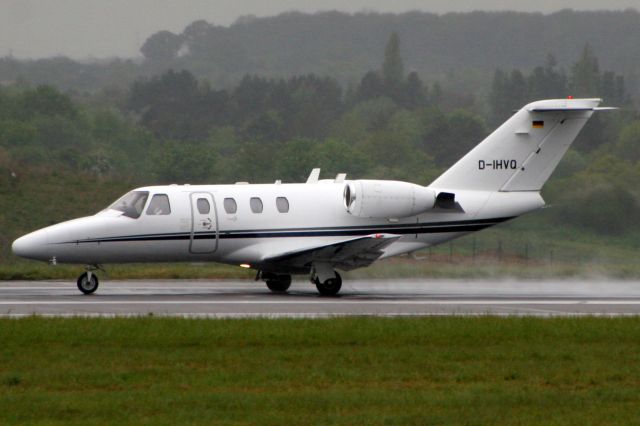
(159, 205)
(131, 204)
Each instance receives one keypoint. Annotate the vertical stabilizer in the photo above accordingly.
(522, 153)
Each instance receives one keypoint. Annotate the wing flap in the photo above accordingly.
(346, 254)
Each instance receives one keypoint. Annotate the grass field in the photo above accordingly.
(338, 371)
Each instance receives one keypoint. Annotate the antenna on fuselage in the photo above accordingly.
(314, 176)
(340, 177)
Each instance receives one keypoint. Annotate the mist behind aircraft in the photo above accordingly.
(101, 28)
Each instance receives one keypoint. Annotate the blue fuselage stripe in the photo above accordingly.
(400, 229)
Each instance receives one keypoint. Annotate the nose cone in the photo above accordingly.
(32, 246)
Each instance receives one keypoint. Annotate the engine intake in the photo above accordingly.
(387, 198)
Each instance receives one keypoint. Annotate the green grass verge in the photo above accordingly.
(340, 371)
(25, 270)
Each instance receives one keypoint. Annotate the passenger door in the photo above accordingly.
(204, 223)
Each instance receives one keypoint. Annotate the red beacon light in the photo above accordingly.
(569, 97)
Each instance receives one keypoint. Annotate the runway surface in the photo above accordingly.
(358, 297)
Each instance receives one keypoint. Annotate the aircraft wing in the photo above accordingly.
(346, 255)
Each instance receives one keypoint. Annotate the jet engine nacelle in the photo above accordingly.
(387, 198)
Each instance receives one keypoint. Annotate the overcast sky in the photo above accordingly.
(105, 28)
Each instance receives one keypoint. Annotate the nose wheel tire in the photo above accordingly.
(279, 283)
(329, 287)
(87, 284)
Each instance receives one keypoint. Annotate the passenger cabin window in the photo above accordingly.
(159, 205)
(203, 206)
(131, 204)
(282, 204)
(230, 205)
(256, 204)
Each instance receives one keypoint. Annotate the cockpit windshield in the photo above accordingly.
(131, 204)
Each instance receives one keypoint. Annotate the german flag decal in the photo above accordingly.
(538, 124)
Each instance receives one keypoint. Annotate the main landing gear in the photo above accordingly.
(88, 281)
(330, 286)
(277, 283)
(328, 283)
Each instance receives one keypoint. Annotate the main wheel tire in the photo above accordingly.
(329, 287)
(86, 285)
(279, 284)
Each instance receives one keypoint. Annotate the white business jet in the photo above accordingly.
(321, 226)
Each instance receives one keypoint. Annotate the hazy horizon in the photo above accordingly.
(84, 29)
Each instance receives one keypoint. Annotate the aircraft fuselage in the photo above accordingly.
(308, 215)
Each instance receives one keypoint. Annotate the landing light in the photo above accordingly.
(245, 265)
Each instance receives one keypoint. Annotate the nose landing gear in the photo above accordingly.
(88, 281)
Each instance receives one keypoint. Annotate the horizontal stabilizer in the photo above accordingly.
(564, 105)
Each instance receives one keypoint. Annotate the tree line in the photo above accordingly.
(463, 48)
(176, 128)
